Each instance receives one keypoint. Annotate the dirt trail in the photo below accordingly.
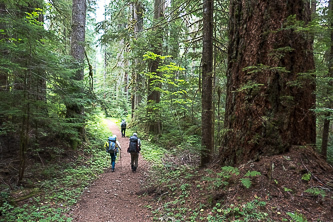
(112, 196)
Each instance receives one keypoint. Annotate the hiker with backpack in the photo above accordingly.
(112, 146)
(123, 128)
(134, 149)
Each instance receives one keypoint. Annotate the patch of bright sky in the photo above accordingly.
(101, 9)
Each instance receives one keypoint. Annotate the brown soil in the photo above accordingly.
(112, 197)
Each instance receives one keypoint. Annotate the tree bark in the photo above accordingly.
(74, 108)
(4, 86)
(153, 98)
(270, 88)
(78, 34)
(137, 15)
(327, 115)
(207, 84)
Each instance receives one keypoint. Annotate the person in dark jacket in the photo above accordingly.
(134, 149)
(123, 128)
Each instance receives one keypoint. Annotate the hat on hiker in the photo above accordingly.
(134, 134)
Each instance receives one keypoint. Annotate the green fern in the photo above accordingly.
(297, 217)
(316, 191)
(252, 174)
(246, 182)
(230, 170)
(287, 189)
(306, 177)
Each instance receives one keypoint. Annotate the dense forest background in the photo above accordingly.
(227, 81)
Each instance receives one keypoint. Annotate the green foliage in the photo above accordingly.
(37, 72)
(61, 188)
(252, 174)
(63, 182)
(226, 173)
(247, 212)
(250, 86)
(221, 178)
(174, 106)
(306, 177)
(287, 189)
(97, 130)
(153, 153)
(124, 43)
(191, 143)
(316, 191)
(62, 191)
(262, 68)
(297, 217)
(247, 181)
(229, 170)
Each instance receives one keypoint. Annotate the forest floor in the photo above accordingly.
(112, 197)
(295, 186)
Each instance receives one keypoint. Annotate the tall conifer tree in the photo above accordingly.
(137, 16)
(326, 125)
(153, 94)
(74, 107)
(207, 83)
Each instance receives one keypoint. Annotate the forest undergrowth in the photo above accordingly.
(55, 177)
(295, 186)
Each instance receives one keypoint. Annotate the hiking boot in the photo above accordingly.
(134, 169)
(112, 169)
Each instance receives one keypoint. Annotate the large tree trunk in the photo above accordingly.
(25, 127)
(78, 34)
(269, 96)
(207, 83)
(4, 86)
(174, 32)
(74, 108)
(153, 98)
(327, 115)
(137, 15)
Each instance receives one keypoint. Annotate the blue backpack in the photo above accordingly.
(112, 145)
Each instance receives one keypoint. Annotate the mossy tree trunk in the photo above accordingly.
(137, 90)
(154, 95)
(25, 127)
(270, 88)
(75, 107)
(327, 115)
(4, 86)
(207, 84)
